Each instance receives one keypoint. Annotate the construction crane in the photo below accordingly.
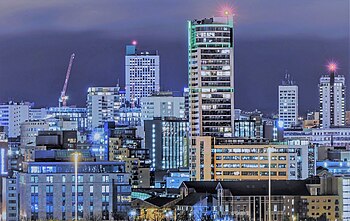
(62, 101)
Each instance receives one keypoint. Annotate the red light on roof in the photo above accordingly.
(134, 42)
(332, 67)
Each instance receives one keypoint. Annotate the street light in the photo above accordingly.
(269, 151)
(76, 158)
(132, 214)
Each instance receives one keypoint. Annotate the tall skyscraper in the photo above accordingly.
(211, 76)
(288, 102)
(141, 74)
(332, 99)
(102, 105)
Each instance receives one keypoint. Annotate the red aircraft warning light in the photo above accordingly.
(332, 67)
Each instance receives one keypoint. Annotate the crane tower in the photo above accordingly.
(62, 101)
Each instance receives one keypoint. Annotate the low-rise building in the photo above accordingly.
(248, 159)
(314, 197)
(47, 190)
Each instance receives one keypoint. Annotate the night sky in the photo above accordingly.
(37, 38)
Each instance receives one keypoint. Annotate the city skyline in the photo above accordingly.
(273, 45)
(174, 110)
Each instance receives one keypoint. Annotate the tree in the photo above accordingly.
(120, 216)
(184, 215)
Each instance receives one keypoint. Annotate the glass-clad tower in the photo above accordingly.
(211, 76)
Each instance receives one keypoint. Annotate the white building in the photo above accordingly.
(141, 74)
(337, 137)
(211, 76)
(12, 115)
(10, 196)
(37, 113)
(29, 131)
(102, 105)
(288, 102)
(162, 105)
(332, 100)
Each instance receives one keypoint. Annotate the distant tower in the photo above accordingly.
(141, 74)
(288, 102)
(332, 98)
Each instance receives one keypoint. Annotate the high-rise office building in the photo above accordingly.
(332, 99)
(102, 105)
(141, 74)
(12, 115)
(288, 102)
(211, 76)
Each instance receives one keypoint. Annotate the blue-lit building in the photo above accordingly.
(175, 178)
(335, 167)
(47, 190)
(75, 114)
(98, 139)
(167, 140)
(129, 116)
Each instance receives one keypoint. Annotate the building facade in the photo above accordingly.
(29, 131)
(167, 140)
(163, 104)
(288, 102)
(47, 190)
(211, 76)
(141, 74)
(76, 114)
(336, 136)
(10, 198)
(248, 159)
(332, 100)
(102, 105)
(12, 115)
(316, 198)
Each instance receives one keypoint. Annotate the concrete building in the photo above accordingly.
(124, 145)
(336, 136)
(141, 74)
(37, 113)
(29, 131)
(167, 140)
(47, 190)
(211, 76)
(332, 100)
(102, 105)
(162, 104)
(10, 198)
(247, 159)
(288, 102)
(12, 115)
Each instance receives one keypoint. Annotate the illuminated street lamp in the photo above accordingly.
(76, 158)
(132, 214)
(269, 151)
